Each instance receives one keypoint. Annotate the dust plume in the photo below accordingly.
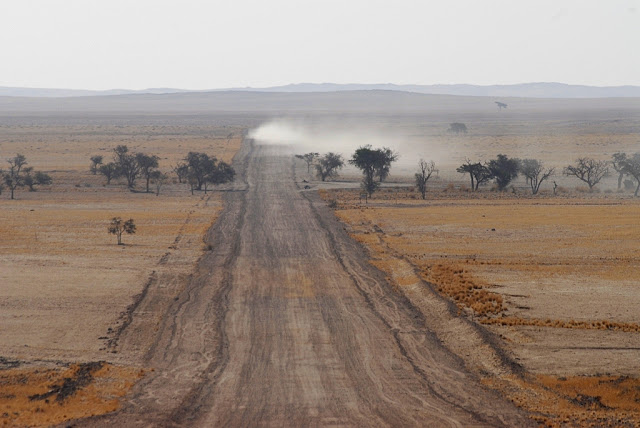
(344, 136)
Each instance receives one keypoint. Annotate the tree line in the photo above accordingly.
(375, 165)
(199, 170)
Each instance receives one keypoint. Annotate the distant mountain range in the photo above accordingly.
(523, 90)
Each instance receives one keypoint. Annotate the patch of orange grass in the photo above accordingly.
(577, 401)
(467, 291)
(101, 396)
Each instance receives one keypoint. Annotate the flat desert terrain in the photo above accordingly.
(66, 285)
(266, 303)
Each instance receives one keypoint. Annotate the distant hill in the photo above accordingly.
(299, 103)
(523, 90)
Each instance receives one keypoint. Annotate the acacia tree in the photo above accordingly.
(222, 173)
(617, 162)
(504, 170)
(147, 164)
(631, 166)
(181, 169)
(218, 173)
(36, 179)
(383, 166)
(199, 166)
(96, 161)
(589, 170)
(369, 161)
(14, 177)
(109, 170)
(425, 170)
(118, 227)
(127, 164)
(535, 172)
(478, 173)
(329, 165)
(308, 158)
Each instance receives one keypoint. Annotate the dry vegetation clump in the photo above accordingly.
(587, 325)
(576, 401)
(48, 396)
(464, 289)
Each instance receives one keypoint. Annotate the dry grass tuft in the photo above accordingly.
(467, 291)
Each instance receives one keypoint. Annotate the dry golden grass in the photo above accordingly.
(65, 282)
(576, 401)
(20, 406)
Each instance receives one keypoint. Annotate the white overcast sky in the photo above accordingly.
(192, 44)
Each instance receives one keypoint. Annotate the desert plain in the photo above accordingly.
(531, 299)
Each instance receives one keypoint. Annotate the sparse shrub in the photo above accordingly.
(118, 227)
(333, 204)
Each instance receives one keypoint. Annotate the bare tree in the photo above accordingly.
(329, 165)
(425, 170)
(308, 158)
(617, 162)
(158, 179)
(118, 227)
(535, 172)
(589, 170)
(631, 166)
(96, 161)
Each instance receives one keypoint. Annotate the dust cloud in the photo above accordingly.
(344, 137)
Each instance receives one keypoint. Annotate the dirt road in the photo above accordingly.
(284, 323)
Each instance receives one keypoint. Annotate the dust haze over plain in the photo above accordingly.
(303, 137)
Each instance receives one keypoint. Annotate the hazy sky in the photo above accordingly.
(194, 44)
